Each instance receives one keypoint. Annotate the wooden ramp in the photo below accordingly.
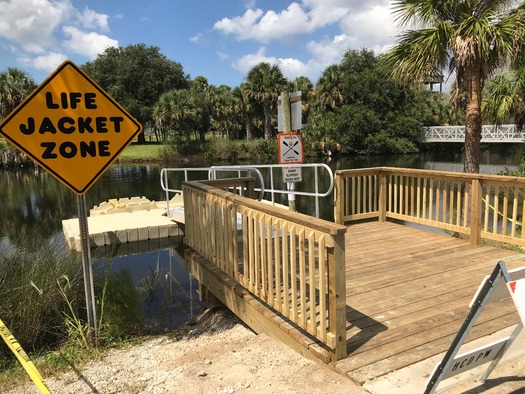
(408, 292)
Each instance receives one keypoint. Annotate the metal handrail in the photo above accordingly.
(212, 174)
(272, 190)
(290, 190)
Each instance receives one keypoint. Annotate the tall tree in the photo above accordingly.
(306, 87)
(328, 87)
(264, 84)
(221, 103)
(181, 112)
(15, 85)
(472, 37)
(136, 76)
(504, 98)
(244, 106)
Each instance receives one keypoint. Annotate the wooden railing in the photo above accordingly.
(293, 262)
(480, 206)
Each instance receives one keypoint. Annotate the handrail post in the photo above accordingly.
(337, 295)
(475, 212)
(339, 199)
(250, 188)
(382, 197)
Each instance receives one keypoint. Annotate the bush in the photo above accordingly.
(31, 302)
(261, 151)
(43, 300)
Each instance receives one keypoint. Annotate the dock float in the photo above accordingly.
(124, 220)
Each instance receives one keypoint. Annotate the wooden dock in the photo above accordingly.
(408, 292)
(387, 290)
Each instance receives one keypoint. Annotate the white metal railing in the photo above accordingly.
(209, 173)
(275, 186)
(489, 133)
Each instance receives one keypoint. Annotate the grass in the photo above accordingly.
(142, 152)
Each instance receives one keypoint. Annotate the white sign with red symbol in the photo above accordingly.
(517, 291)
(291, 149)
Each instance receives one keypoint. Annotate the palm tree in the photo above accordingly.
(264, 84)
(328, 87)
(306, 87)
(244, 107)
(15, 85)
(473, 38)
(504, 98)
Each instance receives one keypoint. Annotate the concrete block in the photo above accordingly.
(153, 232)
(98, 239)
(133, 235)
(164, 231)
(143, 234)
(121, 236)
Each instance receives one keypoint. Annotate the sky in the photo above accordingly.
(218, 39)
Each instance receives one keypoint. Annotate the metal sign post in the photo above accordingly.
(86, 263)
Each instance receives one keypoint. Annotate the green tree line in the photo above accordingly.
(367, 103)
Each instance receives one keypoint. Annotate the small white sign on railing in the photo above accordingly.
(292, 174)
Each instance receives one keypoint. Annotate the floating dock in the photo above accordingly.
(124, 220)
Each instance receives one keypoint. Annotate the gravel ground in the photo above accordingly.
(218, 354)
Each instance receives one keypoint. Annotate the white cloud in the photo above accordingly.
(291, 68)
(271, 25)
(93, 20)
(39, 30)
(34, 48)
(222, 55)
(47, 62)
(32, 22)
(88, 44)
(354, 24)
(331, 51)
(199, 37)
(373, 28)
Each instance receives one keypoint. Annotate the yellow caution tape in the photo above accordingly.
(501, 214)
(23, 358)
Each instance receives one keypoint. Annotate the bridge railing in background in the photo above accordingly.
(489, 133)
(293, 262)
(480, 206)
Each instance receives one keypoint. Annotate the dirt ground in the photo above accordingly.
(218, 354)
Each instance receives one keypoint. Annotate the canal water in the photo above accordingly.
(33, 200)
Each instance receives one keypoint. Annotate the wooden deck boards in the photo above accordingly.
(408, 292)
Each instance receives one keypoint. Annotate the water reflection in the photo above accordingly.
(168, 291)
(30, 200)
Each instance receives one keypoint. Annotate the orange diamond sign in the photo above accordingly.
(71, 127)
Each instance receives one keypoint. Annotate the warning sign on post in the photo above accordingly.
(71, 127)
(292, 174)
(290, 147)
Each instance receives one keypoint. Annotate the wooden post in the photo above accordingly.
(475, 212)
(382, 197)
(339, 199)
(337, 295)
(286, 111)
